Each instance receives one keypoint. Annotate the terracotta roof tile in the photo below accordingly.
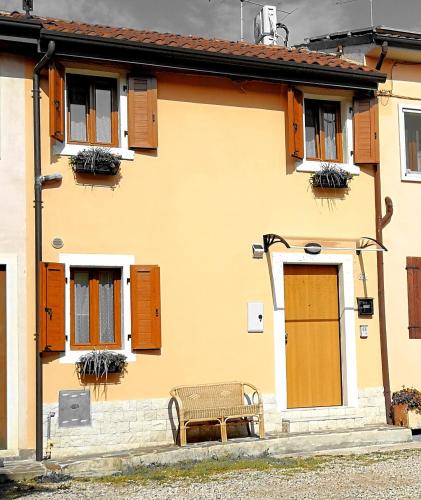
(300, 55)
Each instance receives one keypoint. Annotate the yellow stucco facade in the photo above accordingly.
(220, 179)
(401, 235)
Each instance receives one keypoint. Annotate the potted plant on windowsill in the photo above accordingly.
(330, 176)
(101, 363)
(406, 408)
(99, 161)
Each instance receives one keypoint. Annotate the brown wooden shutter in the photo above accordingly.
(295, 123)
(413, 269)
(142, 111)
(57, 108)
(366, 136)
(145, 307)
(51, 307)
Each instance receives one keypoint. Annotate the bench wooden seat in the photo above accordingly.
(219, 402)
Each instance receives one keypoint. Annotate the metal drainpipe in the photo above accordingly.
(36, 95)
(380, 224)
(383, 54)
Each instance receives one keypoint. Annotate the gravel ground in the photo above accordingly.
(375, 476)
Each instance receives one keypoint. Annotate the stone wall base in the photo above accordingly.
(120, 425)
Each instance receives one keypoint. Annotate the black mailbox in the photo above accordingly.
(365, 306)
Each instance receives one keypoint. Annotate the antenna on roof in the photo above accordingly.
(343, 2)
(28, 7)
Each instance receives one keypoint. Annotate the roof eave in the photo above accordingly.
(377, 35)
(15, 33)
(404, 43)
(177, 58)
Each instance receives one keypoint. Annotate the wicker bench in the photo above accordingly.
(218, 402)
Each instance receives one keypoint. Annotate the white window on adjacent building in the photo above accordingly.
(410, 139)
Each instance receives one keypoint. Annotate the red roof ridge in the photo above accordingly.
(194, 42)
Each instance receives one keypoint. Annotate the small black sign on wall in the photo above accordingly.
(365, 306)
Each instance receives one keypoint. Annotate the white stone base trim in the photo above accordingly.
(120, 425)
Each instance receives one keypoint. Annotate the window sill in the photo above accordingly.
(71, 356)
(315, 166)
(411, 177)
(73, 149)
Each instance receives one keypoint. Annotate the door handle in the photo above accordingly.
(49, 311)
(286, 338)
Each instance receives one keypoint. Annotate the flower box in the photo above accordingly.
(331, 177)
(406, 408)
(326, 182)
(100, 364)
(97, 161)
(404, 417)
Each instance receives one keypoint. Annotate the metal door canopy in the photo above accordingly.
(74, 408)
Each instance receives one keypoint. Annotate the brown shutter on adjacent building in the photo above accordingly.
(366, 136)
(51, 307)
(295, 123)
(145, 307)
(413, 269)
(142, 111)
(57, 104)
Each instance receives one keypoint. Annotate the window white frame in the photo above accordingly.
(347, 137)
(406, 175)
(65, 149)
(97, 261)
(347, 323)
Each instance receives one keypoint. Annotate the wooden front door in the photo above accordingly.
(313, 353)
(3, 360)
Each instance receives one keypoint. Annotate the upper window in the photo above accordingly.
(92, 114)
(323, 135)
(95, 308)
(412, 123)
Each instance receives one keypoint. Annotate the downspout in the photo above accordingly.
(36, 95)
(381, 222)
(383, 53)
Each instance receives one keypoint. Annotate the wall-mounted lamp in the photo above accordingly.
(312, 248)
(258, 251)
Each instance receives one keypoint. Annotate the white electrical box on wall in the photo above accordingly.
(255, 317)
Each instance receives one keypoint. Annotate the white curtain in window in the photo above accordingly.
(310, 125)
(106, 307)
(103, 115)
(78, 96)
(81, 298)
(329, 124)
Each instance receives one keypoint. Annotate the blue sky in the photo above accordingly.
(220, 18)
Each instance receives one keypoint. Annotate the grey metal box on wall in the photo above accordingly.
(74, 408)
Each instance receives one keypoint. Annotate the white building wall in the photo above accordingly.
(13, 238)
